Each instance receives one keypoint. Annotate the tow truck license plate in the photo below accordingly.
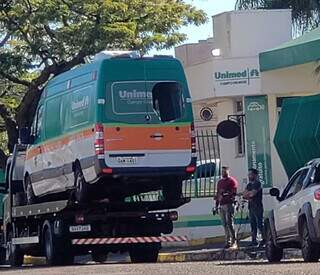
(80, 228)
(127, 160)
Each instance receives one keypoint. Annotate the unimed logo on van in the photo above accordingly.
(134, 94)
(80, 103)
(131, 97)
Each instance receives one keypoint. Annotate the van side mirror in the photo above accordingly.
(275, 192)
(25, 136)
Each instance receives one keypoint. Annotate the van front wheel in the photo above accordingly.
(30, 196)
(81, 186)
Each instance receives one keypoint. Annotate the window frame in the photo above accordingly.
(36, 131)
(311, 177)
(181, 99)
(297, 176)
(289, 185)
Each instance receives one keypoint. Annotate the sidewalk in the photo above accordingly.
(211, 252)
(220, 254)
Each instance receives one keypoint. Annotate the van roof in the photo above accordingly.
(87, 69)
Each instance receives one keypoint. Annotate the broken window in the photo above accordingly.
(168, 101)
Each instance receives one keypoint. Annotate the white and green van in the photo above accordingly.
(111, 129)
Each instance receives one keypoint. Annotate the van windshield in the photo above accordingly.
(167, 101)
(147, 101)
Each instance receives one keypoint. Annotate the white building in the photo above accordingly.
(224, 79)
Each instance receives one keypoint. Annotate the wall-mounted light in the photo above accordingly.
(216, 52)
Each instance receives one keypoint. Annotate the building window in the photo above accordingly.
(240, 140)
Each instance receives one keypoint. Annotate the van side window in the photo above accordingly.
(80, 106)
(53, 120)
(167, 101)
(38, 125)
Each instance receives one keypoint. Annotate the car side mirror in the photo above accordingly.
(275, 192)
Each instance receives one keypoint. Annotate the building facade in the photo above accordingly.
(224, 78)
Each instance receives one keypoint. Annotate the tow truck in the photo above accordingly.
(60, 230)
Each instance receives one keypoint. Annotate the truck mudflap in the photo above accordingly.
(129, 240)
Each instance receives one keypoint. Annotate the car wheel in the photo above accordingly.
(310, 250)
(31, 198)
(81, 193)
(274, 254)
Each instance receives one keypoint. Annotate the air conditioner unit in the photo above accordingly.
(116, 54)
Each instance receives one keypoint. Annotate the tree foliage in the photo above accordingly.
(305, 13)
(40, 39)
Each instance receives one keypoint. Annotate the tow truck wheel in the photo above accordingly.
(172, 188)
(99, 257)
(31, 198)
(310, 250)
(56, 250)
(274, 254)
(81, 186)
(52, 253)
(14, 253)
(144, 253)
(2, 255)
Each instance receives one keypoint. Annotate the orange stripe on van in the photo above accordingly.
(57, 144)
(142, 138)
(126, 138)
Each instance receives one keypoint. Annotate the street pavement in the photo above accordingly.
(290, 267)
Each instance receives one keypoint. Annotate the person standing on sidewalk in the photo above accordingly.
(253, 193)
(225, 198)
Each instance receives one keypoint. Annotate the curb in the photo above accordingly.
(202, 242)
(212, 255)
(221, 255)
(29, 260)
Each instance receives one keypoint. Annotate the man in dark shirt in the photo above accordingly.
(226, 192)
(253, 194)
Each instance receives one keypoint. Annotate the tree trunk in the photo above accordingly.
(28, 107)
(12, 133)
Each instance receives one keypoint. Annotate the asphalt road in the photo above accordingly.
(194, 268)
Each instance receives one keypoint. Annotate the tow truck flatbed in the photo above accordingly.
(63, 229)
(64, 205)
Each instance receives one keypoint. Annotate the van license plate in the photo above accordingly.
(127, 160)
(80, 228)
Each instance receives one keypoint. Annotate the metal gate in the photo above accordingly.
(204, 181)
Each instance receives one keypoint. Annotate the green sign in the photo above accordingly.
(258, 137)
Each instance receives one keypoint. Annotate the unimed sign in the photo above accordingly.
(258, 137)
